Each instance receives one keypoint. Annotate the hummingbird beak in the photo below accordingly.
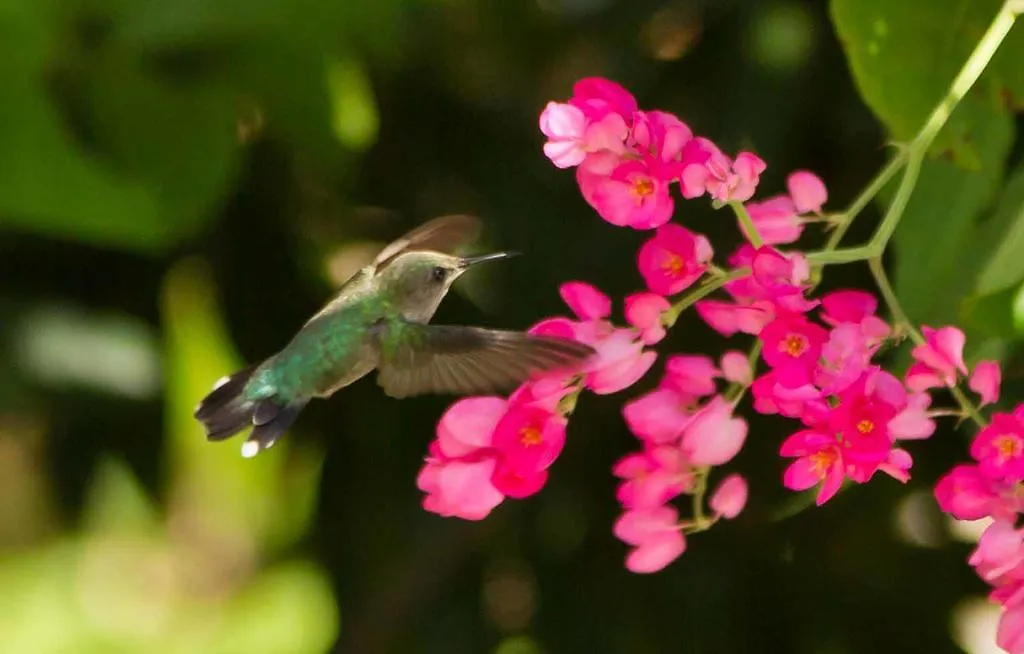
(466, 262)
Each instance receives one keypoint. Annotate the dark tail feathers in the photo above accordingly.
(224, 412)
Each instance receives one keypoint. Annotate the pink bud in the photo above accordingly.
(965, 493)
(985, 381)
(736, 367)
(807, 190)
(730, 497)
(942, 354)
(586, 301)
(657, 553)
(468, 424)
(713, 436)
(644, 311)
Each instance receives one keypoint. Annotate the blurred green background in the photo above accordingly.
(183, 183)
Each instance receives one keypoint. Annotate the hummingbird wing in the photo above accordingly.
(418, 359)
(445, 234)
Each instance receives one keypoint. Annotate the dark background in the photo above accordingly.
(457, 88)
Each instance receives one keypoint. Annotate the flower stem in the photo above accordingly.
(747, 223)
(710, 285)
(912, 154)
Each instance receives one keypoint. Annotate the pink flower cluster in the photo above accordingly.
(816, 361)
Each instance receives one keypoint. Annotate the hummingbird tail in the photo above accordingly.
(225, 411)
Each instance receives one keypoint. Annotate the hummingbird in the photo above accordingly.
(380, 320)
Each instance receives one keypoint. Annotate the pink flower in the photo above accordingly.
(1010, 634)
(771, 397)
(1000, 549)
(529, 438)
(644, 311)
(634, 193)
(999, 448)
(736, 368)
(820, 462)
(727, 318)
(661, 136)
(691, 374)
(586, 301)
(965, 493)
(913, 422)
(659, 416)
(985, 381)
(938, 360)
(775, 219)
(673, 259)
(713, 436)
(468, 424)
(844, 357)
(807, 190)
(564, 125)
(730, 497)
(459, 488)
(723, 179)
(597, 97)
(847, 307)
(792, 346)
(653, 477)
(656, 536)
(620, 362)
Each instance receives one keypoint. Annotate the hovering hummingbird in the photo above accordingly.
(379, 320)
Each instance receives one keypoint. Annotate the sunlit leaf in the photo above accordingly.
(355, 119)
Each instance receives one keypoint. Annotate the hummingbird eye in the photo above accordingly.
(439, 274)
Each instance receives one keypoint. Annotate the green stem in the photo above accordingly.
(967, 407)
(913, 154)
(748, 224)
(707, 288)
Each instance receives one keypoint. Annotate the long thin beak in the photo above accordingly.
(466, 262)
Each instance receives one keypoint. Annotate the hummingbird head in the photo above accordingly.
(417, 281)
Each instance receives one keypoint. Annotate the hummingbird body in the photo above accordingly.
(379, 320)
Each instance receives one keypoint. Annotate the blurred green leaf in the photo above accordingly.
(1004, 265)
(288, 609)
(355, 120)
(230, 496)
(933, 243)
(904, 54)
(117, 501)
(990, 315)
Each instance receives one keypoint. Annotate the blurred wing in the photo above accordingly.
(445, 234)
(467, 360)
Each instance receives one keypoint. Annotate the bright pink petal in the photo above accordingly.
(464, 490)
(985, 381)
(586, 301)
(644, 311)
(965, 493)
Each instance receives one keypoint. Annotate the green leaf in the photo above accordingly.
(932, 242)
(904, 54)
(1004, 265)
(990, 315)
(355, 112)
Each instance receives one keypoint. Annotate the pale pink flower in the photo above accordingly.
(468, 424)
(807, 190)
(459, 488)
(723, 179)
(564, 125)
(644, 311)
(1010, 633)
(655, 535)
(913, 422)
(691, 374)
(619, 363)
(775, 219)
(727, 318)
(1000, 549)
(673, 259)
(652, 477)
(736, 367)
(985, 381)
(938, 360)
(660, 415)
(713, 436)
(730, 497)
